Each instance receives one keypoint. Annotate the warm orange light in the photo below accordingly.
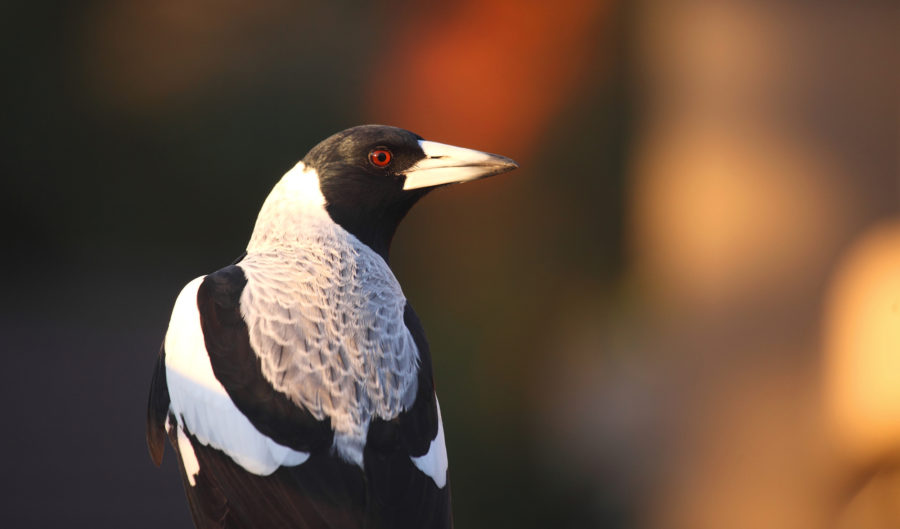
(490, 74)
(721, 217)
(862, 345)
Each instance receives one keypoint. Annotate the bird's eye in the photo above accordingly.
(380, 157)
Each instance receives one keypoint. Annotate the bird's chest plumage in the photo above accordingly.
(325, 316)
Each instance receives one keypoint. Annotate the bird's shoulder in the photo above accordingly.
(239, 368)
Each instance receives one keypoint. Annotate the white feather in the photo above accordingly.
(434, 463)
(200, 403)
(188, 457)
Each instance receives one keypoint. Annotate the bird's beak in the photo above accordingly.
(446, 164)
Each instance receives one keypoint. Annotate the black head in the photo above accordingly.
(372, 175)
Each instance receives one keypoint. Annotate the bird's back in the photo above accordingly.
(240, 431)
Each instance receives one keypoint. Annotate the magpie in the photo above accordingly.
(295, 385)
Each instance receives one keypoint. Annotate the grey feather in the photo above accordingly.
(324, 314)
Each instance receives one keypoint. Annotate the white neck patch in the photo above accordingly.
(294, 204)
(301, 185)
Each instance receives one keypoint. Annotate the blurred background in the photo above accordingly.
(682, 312)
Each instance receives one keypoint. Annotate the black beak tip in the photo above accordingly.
(505, 164)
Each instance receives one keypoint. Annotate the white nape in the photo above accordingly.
(293, 207)
(434, 462)
(200, 403)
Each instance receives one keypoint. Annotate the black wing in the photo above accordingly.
(239, 369)
(400, 494)
(157, 409)
(323, 492)
(158, 402)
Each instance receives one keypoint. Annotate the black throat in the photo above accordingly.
(374, 224)
(366, 199)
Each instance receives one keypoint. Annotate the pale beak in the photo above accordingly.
(446, 164)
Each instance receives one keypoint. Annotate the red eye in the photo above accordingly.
(380, 157)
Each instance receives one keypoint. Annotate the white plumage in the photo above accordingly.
(201, 405)
(434, 463)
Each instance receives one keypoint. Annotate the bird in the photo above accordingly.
(295, 385)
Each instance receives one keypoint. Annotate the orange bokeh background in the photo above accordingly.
(493, 73)
(680, 312)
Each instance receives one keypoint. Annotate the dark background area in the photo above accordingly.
(652, 323)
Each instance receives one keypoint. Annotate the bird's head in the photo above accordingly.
(371, 175)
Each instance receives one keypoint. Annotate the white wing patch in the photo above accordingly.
(188, 457)
(434, 463)
(200, 403)
(325, 315)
